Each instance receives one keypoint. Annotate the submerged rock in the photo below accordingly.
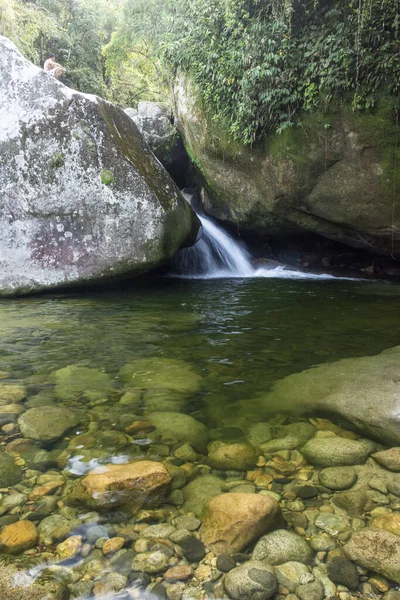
(281, 546)
(48, 423)
(390, 459)
(80, 383)
(238, 457)
(332, 451)
(363, 391)
(18, 537)
(255, 580)
(338, 478)
(10, 473)
(376, 550)
(83, 199)
(233, 521)
(197, 493)
(137, 483)
(18, 583)
(182, 428)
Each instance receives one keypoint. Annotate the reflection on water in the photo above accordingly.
(203, 348)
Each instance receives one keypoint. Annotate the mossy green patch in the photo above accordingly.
(107, 177)
(57, 160)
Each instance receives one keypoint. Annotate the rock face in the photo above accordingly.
(364, 391)
(331, 176)
(82, 197)
(135, 483)
(376, 550)
(155, 123)
(233, 521)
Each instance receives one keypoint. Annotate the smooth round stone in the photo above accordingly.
(70, 547)
(332, 524)
(290, 573)
(281, 546)
(48, 423)
(185, 522)
(181, 427)
(193, 549)
(338, 478)
(163, 530)
(10, 472)
(199, 491)
(253, 580)
(335, 451)
(342, 571)
(311, 591)
(322, 543)
(179, 573)
(225, 563)
(112, 545)
(389, 459)
(150, 562)
(233, 456)
(53, 528)
(18, 537)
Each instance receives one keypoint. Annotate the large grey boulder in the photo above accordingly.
(328, 176)
(82, 197)
(363, 391)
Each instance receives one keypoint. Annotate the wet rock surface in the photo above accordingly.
(102, 208)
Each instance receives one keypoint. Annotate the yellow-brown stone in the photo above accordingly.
(233, 521)
(390, 522)
(113, 545)
(18, 537)
(70, 547)
(112, 485)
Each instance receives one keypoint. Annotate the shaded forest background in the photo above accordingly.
(257, 63)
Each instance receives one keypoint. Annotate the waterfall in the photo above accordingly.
(217, 254)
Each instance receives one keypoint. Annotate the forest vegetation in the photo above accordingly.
(257, 63)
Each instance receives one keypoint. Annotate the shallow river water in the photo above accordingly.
(201, 348)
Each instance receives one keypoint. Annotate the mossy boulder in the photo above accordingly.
(331, 175)
(88, 200)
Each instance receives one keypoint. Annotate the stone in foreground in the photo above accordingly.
(18, 537)
(233, 521)
(255, 580)
(136, 484)
(376, 550)
(83, 199)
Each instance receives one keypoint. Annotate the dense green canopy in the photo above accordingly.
(257, 63)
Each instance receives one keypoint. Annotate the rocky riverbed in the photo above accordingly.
(112, 500)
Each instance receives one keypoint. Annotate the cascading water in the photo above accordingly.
(218, 255)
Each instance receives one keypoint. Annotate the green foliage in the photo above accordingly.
(74, 30)
(257, 63)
